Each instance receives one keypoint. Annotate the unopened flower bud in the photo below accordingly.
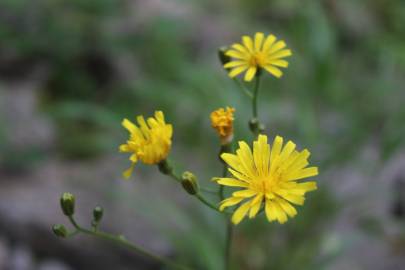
(223, 58)
(59, 230)
(97, 214)
(165, 168)
(67, 203)
(189, 183)
(254, 125)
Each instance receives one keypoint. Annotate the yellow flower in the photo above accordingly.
(269, 178)
(250, 56)
(222, 122)
(149, 143)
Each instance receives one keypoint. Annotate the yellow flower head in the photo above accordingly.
(269, 177)
(262, 53)
(150, 142)
(222, 122)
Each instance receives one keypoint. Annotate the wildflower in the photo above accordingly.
(222, 122)
(252, 56)
(268, 178)
(149, 143)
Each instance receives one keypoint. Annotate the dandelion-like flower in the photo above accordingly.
(269, 178)
(222, 122)
(260, 53)
(149, 143)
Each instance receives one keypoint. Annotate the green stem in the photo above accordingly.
(229, 227)
(126, 243)
(198, 195)
(228, 244)
(255, 94)
(243, 88)
(221, 187)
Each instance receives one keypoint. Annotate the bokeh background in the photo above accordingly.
(70, 70)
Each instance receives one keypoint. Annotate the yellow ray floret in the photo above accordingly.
(259, 53)
(222, 121)
(269, 178)
(149, 142)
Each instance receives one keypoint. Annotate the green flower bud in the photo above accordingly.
(67, 203)
(189, 183)
(223, 58)
(165, 168)
(254, 125)
(97, 214)
(59, 230)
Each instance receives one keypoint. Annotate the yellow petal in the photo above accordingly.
(240, 213)
(296, 199)
(277, 46)
(127, 173)
(279, 63)
(258, 41)
(270, 211)
(299, 162)
(281, 215)
(231, 182)
(144, 127)
(279, 54)
(236, 71)
(239, 175)
(233, 64)
(287, 207)
(257, 157)
(304, 173)
(240, 48)
(308, 186)
(255, 205)
(248, 42)
(276, 148)
(250, 74)
(124, 148)
(246, 159)
(236, 54)
(268, 42)
(247, 193)
(229, 202)
(160, 117)
(287, 150)
(273, 70)
(265, 153)
(129, 125)
(232, 160)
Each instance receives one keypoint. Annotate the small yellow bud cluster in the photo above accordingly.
(222, 121)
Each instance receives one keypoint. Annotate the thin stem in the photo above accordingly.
(229, 227)
(221, 187)
(228, 244)
(121, 240)
(243, 88)
(208, 190)
(255, 94)
(207, 203)
(198, 195)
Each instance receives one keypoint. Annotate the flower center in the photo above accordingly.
(264, 185)
(258, 59)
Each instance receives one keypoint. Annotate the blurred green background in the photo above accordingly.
(71, 70)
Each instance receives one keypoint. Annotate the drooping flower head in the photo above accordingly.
(260, 53)
(222, 122)
(269, 178)
(149, 142)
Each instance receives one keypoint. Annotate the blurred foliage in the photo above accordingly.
(342, 91)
